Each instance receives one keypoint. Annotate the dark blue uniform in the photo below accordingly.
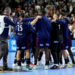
(59, 38)
(65, 34)
(22, 34)
(43, 29)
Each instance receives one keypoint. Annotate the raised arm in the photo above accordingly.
(35, 20)
(28, 19)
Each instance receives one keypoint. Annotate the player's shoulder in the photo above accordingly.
(46, 19)
(2, 16)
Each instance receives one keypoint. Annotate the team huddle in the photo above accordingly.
(40, 34)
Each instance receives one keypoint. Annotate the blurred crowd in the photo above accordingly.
(30, 8)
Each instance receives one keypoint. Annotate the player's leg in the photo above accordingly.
(60, 57)
(15, 60)
(33, 47)
(5, 56)
(47, 54)
(1, 51)
(36, 51)
(4, 53)
(41, 49)
(22, 57)
(18, 53)
(18, 57)
(69, 49)
(40, 55)
(55, 54)
(36, 56)
(25, 47)
(66, 54)
(71, 55)
(27, 52)
(27, 57)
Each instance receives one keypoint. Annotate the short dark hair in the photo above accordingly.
(43, 12)
(62, 13)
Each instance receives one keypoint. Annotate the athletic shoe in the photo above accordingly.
(26, 68)
(23, 64)
(55, 67)
(34, 67)
(45, 67)
(18, 68)
(29, 68)
(31, 65)
(62, 66)
(14, 66)
(69, 65)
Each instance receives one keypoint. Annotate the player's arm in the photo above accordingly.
(72, 29)
(28, 19)
(49, 26)
(66, 34)
(8, 21)
(35, 20)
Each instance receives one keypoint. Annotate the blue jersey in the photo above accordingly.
(43, 27)
(4, 26)
(23, 29)
(66, 32)
(57, 32)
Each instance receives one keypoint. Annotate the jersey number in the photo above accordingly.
(59, 26)
(20, 28)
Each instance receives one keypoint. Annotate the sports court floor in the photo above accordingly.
(68, 71)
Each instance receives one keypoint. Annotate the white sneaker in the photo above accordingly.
(14, 66)
(34, 67)
(45, 67)
(18, 67)
(62, 66)
(24, 68)
(27, 68)
(23, 64)
(69, 65)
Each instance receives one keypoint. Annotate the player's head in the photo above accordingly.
(7, 11)
(55, 16)
(21, 16)
(61, 15)
(41, 12)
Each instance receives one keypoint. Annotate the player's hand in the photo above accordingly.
(39, 17)
(53, 20)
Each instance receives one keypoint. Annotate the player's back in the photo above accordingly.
(43, 26)
(57, 31)
(23, 29)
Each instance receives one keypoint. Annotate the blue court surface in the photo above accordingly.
(68, 71)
